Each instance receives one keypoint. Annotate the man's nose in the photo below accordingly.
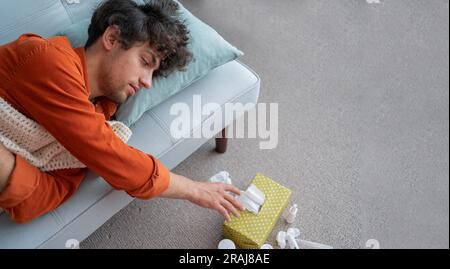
(146, 82)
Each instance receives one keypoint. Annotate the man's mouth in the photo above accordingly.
(133, 88)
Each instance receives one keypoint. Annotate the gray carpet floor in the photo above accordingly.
(363, 93)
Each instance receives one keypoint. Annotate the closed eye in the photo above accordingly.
(145, 62)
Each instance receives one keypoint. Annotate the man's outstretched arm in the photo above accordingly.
(205, 194)
(40, 192)
(26, 192)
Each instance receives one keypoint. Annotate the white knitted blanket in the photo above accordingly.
(35, 144)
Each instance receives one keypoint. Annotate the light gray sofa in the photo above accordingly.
(95, 202)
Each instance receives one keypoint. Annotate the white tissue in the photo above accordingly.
(222, 176)
(291, 238)
(312, 245)
(248, 203)
(255, 194)
(281, 239)
(292, 214)
(226, 244)
(288, 236)
(266, 246)
(291, 241)
(295, 232)
(252, 199)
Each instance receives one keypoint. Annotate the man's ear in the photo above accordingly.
(110, 37)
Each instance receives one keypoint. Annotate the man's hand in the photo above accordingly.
(216, 196)
(205, 194)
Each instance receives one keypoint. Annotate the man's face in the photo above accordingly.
(124, 72)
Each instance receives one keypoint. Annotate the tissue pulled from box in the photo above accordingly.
(252, 199)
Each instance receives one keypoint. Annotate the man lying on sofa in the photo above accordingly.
(72, 92)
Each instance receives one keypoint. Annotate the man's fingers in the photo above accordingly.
(234, 202)
(230, 208)
(229, 187)
(224, 212)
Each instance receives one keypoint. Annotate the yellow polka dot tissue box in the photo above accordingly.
(251, 230)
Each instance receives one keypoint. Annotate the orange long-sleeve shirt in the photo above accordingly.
(46, 80)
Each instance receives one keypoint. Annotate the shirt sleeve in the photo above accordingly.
(52, 92)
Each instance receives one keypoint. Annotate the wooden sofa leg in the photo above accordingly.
(221, 142)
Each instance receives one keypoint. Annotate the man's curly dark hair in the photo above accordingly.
(156, 22)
